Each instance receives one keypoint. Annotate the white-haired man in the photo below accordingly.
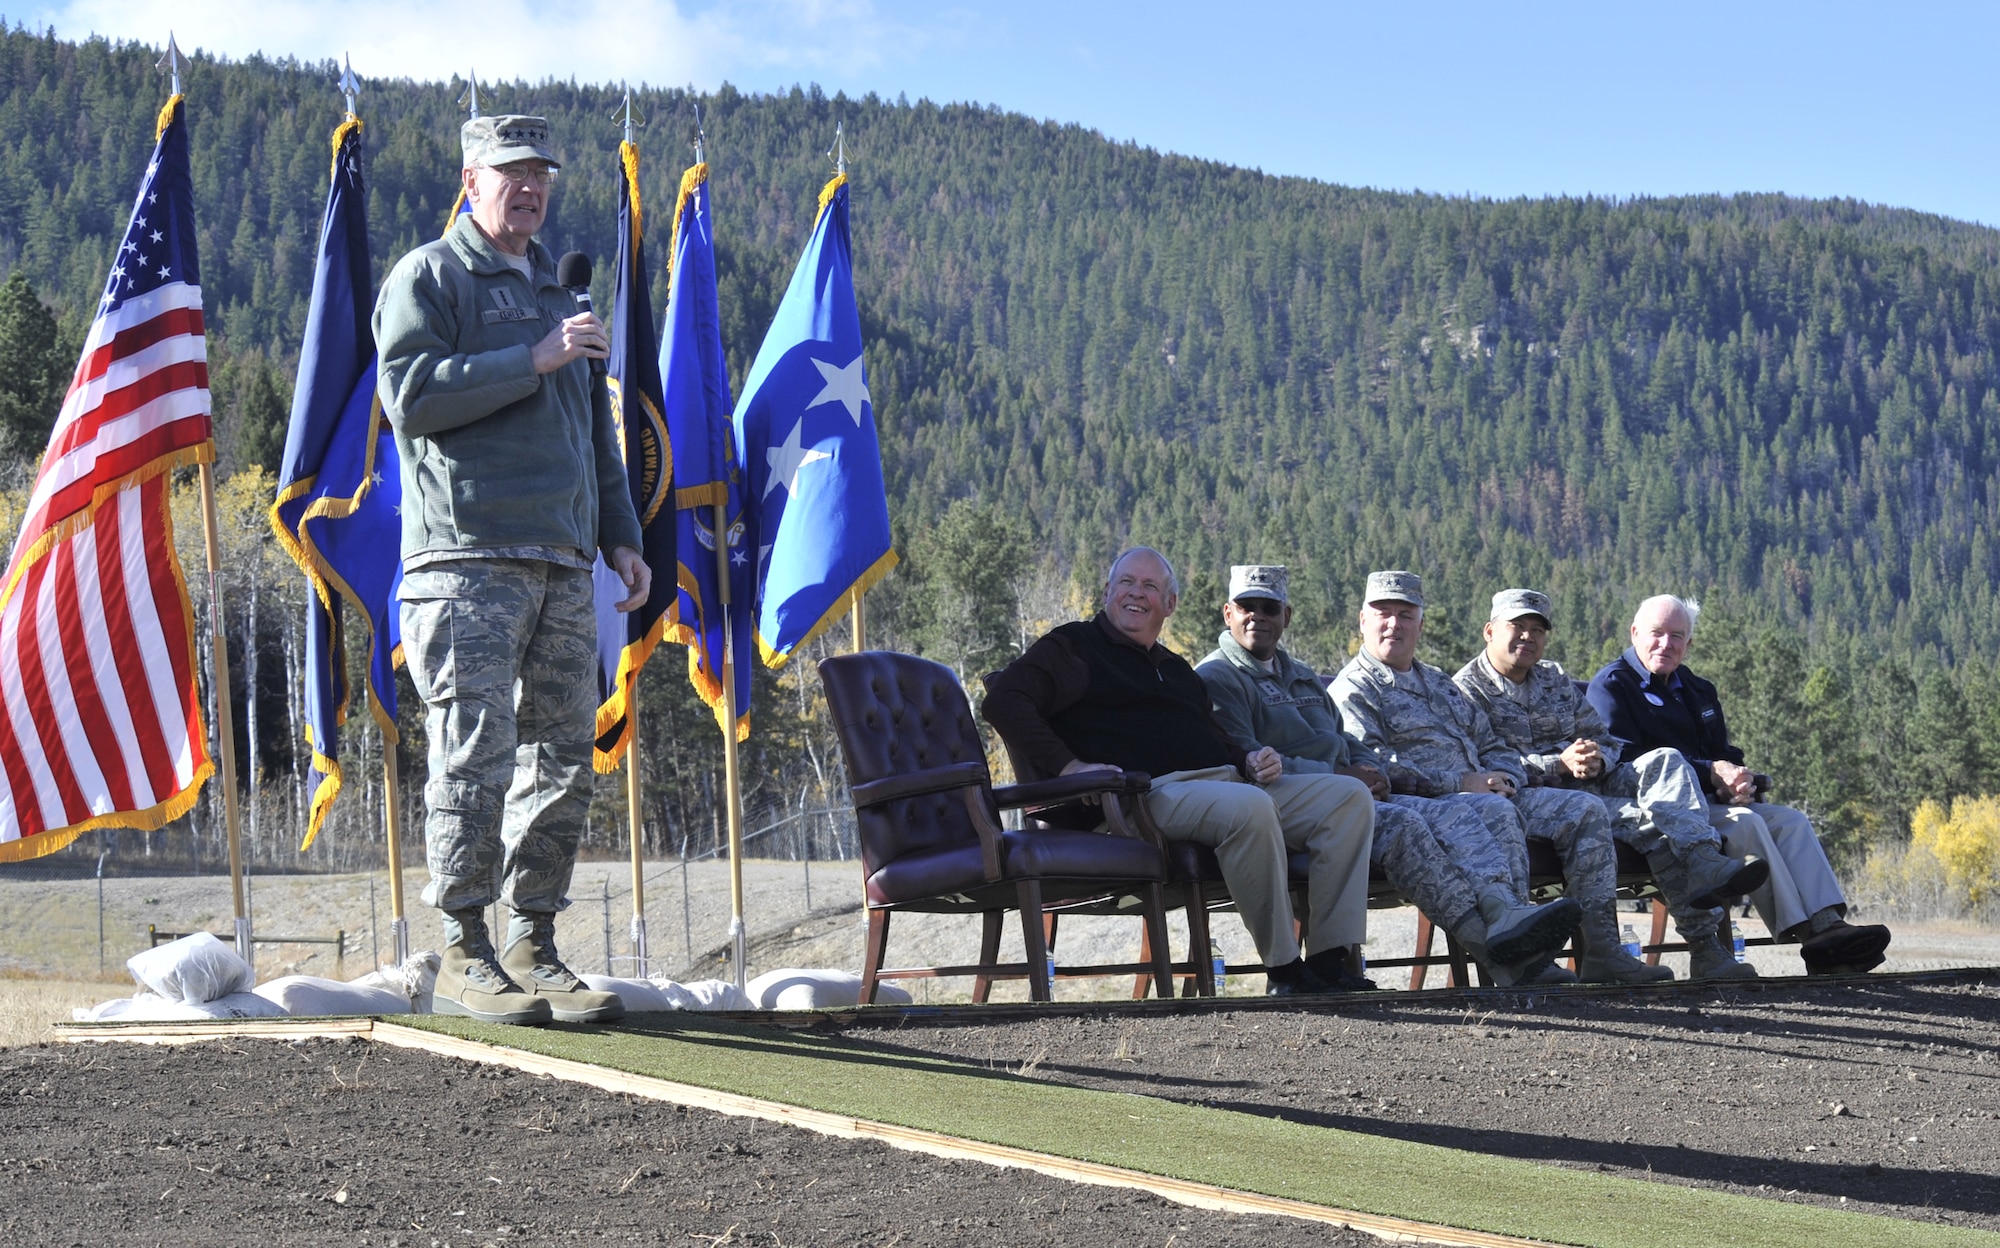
(1104, 692)
(1648, 698)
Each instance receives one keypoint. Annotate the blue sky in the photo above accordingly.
(1888, 103)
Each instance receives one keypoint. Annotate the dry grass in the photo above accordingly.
(30, 1003)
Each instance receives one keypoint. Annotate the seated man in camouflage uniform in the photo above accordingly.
(1655, 799)
(1440, 855)
(1432, 741)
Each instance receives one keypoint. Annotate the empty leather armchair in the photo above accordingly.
(928, 819)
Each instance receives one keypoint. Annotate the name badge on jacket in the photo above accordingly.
(505, 309)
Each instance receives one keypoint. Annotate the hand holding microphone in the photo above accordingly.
(582, 335)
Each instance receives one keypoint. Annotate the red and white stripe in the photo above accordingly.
(140, 392)
(98, 711)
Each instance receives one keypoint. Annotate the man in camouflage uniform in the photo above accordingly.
(1262, 697)
(1432, 741)
(1654, 800)
(512, 481)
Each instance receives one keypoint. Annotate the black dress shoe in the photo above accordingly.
(1845, 948)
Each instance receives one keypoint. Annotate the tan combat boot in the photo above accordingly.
(471, 983)
(531, 958)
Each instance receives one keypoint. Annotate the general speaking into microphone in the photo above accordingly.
(573, 274)
(513, 483)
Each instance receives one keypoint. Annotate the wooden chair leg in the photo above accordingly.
(871, 958)
(989, 953)
(1201, 949)
(1141, 982)
(1033, 937)
(1426, 933)
(1461, 973)
(1659, 932)
(1156, 939)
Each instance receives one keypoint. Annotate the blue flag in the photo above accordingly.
(625, 642)
(815, 510)
(696, 386)
(338, 486)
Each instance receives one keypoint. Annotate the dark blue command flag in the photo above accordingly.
(805, 433)
(625, 642)
(696, 385)
(339, 487)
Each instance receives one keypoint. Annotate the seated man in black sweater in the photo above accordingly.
(1104, 692)
(1647, 698)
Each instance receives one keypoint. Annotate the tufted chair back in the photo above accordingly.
(897, 714)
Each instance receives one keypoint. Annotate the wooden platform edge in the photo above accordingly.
(936, 1144)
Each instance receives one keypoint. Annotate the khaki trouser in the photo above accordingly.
(1249, 826)
(1802, 882)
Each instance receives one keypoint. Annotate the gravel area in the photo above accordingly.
(317, 1142)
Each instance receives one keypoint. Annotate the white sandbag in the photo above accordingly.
(239, 1005)
(797, 988)
(309, 996)
(707, 994)
(643, 995)
(149, 1007)
(415, 979)
(192, 969)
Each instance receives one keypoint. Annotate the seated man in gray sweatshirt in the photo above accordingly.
(1438, 854)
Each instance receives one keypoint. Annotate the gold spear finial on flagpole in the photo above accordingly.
(838, 152)
(471, 96)
(700, 138)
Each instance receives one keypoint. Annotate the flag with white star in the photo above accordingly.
(815, 510)
(100, 718)
(339, 484)
(695, 386)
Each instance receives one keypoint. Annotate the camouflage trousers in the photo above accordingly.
(1656, 803)
(1579, 827)
(504, 654)
(1440, 854)
(1419, 863)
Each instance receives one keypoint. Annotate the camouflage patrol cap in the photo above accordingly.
(502, 140)
(1395, 587)
(1258, 580)
(1512, 604)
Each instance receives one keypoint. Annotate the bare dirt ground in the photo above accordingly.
(319, 1142)
(1869, 1094)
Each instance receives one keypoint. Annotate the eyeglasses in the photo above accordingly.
(523, 172)
(1261, 606)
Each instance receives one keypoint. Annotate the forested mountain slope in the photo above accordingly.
(1785, 407)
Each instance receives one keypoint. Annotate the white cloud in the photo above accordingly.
(757, 43)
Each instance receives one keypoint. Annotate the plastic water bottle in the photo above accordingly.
(1219, 964)
(1739, 946)
(1630, 939)
(1052, 974)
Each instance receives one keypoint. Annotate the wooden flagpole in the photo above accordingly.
(636, 827)
(225, 717)
(739, 936)
(392, 819)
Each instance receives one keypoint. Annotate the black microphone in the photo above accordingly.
(573, 275)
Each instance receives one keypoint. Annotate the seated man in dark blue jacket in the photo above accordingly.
(1650, 700)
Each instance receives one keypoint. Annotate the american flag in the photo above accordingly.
(100, 724)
